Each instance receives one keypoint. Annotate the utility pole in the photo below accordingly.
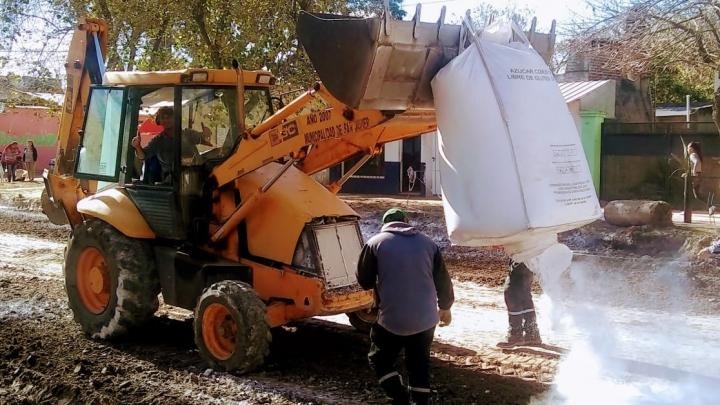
(687, 210)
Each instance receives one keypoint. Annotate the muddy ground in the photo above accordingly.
(44, 357)
(643, 249)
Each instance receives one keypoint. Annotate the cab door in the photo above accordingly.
(156, 200)
(102, 135)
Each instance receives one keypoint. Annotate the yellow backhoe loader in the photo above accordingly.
(212, 202)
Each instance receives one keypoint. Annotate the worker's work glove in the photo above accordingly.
(445, 317)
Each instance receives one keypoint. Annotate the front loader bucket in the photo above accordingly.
(385, 64)
(378, 63)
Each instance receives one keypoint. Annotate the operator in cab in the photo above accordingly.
(159, 155)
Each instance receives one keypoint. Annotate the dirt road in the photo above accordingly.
(45, 357)
(635, 298)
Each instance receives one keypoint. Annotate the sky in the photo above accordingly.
(545, 10)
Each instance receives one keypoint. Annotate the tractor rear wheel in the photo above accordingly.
(363, 319)
(230, 328)
(110, 279)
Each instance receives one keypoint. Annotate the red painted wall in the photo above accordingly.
(38, 124)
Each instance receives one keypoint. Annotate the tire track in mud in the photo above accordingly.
(33, 224)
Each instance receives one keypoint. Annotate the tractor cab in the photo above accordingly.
(184, 122)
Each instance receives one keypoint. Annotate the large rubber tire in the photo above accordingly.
(130, 284)
(363, 319)
(55, 214)
(230, 327)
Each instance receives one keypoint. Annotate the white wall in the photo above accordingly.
(574, 107)
(430, 155)
(393, 151)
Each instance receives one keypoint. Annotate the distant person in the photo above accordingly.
(414, 293)
(30, 156)
(523, 329)
(694, 152)
(10, 157)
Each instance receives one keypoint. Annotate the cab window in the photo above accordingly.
(159, 160)
(99, 153)
(209, 124)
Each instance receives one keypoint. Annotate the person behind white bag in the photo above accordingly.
(694, 152)
(523, 328)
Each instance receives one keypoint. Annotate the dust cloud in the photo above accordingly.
(637, 337)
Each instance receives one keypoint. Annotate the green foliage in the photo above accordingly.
(672, 84)
(369, 7)
(38, 140)
(158, 34)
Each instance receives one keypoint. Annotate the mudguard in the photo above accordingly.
(117, 209)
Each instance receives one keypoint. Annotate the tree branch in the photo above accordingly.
(199, 18)
(44, 19)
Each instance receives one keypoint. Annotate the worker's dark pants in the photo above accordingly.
(518, 295)
(384, 349)
(10, 171)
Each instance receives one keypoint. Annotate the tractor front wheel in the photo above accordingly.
(230, 328)
(363, 319)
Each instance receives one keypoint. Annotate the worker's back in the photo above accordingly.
(406, 288)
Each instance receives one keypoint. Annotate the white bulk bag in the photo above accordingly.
(513, 170)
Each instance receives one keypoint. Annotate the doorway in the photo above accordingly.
(413, 172)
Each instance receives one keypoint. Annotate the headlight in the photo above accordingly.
(304, 257)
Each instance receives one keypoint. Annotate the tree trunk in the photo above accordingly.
(159, 38)
(112, 59)
(199, 17)
(133, 41)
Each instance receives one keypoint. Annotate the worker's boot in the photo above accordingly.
(530, 330)
(515, 332)
(395, 389)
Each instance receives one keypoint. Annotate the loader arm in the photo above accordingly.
(85, 66)
(321, 139)
(311, 141)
